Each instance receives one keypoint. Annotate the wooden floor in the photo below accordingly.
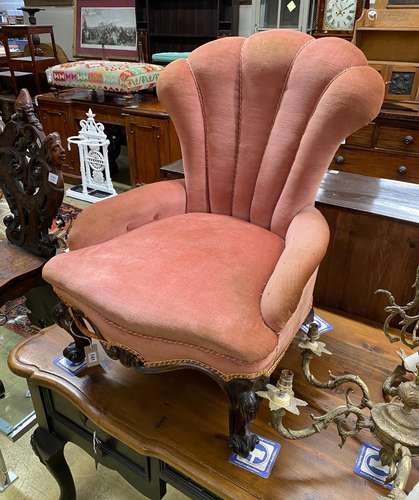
(181, 417)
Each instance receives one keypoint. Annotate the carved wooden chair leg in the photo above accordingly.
(243, 409)
(50, 451)
(74, 352)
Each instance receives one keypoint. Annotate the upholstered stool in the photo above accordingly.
(111, 76)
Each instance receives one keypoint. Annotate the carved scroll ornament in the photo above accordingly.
(30, 178)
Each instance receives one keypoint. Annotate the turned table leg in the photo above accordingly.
(50, 451)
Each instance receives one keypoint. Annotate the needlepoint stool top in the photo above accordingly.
(112, 76)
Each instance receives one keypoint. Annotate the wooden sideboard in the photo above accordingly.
(374, 241)
(150, 134)
(387, 148)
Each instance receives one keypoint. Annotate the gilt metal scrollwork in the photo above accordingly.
(395, 424)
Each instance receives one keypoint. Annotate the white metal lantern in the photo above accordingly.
(94, 164)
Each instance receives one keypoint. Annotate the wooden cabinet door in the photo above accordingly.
(57, 120)
(144, 139)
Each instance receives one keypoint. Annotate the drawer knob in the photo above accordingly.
(402, 170)
(339, 159)
(408, 139)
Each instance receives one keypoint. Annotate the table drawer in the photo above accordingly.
(398, 139)
(362, 137)
(377, 164)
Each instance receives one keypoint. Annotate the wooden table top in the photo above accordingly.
(148, 106)
(386, 197)
(181, 417)
(19, 271)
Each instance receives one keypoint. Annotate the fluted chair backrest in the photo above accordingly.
(260, 118)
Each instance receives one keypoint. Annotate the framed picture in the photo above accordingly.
(105, 29)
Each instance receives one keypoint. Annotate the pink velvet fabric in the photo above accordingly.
(195, 278)
(260, 118)
(226, 277)
(118, 215)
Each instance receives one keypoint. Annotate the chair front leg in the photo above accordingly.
(74, 352)
(244, 404)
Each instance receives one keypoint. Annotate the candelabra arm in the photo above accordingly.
(338, 416)
(311, 346)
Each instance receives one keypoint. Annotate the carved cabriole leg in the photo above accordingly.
(50, 451)
(243, 409)
(74, 352)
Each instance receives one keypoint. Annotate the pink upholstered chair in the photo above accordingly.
(217, 272)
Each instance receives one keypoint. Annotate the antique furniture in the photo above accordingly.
(181, 26)
(389, 38)
(240, 187)
(150, 134)
(92, 144)
(387, 148)
(31, 12)
(33, 64)
(31, 183)
(336, 18)
(372, 222)
(177, 436)
(31, 179)
(110, 76)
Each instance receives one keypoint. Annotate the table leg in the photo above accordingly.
(50, 451)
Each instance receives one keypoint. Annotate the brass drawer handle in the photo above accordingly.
(402, 170)
(339, 159)
(408, 139)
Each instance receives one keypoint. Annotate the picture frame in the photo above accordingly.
(105, 29)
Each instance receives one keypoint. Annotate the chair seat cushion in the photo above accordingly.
(113, 76)
(193, 280)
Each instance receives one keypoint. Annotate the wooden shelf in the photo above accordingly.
(181, 35)
(372, 28)
(29, 59)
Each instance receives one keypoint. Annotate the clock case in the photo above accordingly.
(321, 31)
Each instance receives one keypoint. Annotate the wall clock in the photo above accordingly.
(337, 17)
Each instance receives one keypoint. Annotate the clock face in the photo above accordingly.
(339, 15)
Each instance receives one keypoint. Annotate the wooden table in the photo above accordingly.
(172, 427)
(34, 64)
(19, 271)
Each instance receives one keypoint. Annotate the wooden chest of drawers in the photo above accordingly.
(387, 148)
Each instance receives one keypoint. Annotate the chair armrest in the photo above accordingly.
(115, 216)
(305, 246)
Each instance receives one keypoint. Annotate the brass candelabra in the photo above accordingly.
(395, 422)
